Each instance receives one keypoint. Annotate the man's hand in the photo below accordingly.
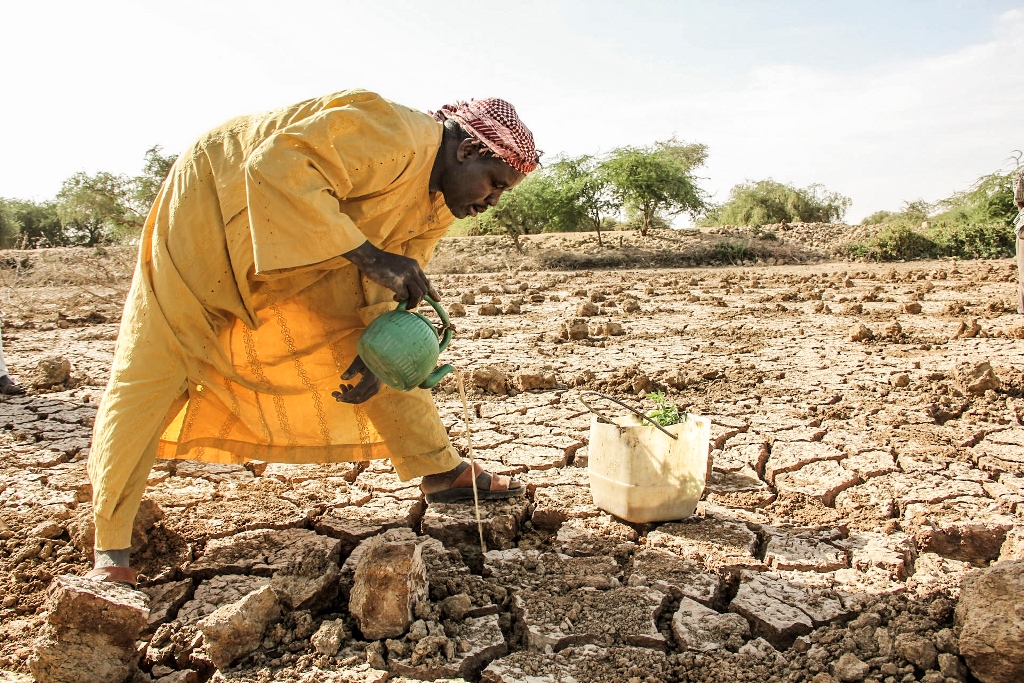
(364, 390)
(400, 274)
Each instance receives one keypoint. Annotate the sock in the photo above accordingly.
(111, 558)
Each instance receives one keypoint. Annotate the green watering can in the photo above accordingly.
(401, 347)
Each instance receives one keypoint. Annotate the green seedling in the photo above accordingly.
(666, 412)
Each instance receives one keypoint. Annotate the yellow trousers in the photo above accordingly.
(149, 401)
(114, 529)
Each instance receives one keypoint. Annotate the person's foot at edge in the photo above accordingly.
(456, 485)
(8, 387)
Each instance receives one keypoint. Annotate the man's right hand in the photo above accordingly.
(400, 274)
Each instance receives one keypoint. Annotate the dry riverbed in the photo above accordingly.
(867, 457)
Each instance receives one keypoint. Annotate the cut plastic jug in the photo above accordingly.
(641, 474)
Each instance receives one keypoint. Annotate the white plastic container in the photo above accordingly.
(640, 474)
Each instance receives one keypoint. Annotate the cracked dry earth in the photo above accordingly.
(867, 457)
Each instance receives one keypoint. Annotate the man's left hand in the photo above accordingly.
(362, 391)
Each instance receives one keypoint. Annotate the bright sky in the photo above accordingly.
(883, 101)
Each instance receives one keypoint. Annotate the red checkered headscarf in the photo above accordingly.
(495, 123)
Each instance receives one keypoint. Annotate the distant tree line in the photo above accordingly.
(651, 184)
(88, 210)
(634, 187)
(973, 223)
(647, 187)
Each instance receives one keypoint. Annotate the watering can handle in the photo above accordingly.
(445, 330)
(643, 418)
(446, 324)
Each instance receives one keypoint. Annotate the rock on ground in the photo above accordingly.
(977, 378)
(49, 372)
(674, 575)
(329, 638)
(555, 504)
(990, 619)
(262, 552)
(390, 580)
(1013, 546)
(455, 525)
(619, 616)
(850, 668)
(803, 551)
(718, 543)
(90, 632)
(515, 569)
(740, 488)
(491, 380)
(216, 592)
(783, 605)
(892, 552)
(473, 644)
(591, 536)
(822, 479)
(699, 628)
(529, 381)
(355, 523)
(968, 529)
(303, 564)
(166, 599)
(234, 630)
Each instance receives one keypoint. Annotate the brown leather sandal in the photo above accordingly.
(498, 487)
(122, 575)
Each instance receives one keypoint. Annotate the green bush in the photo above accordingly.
(895, 243)
(766, 201)
(975, 223)
(977, 240)
(878, 217)
(29, 224)
(904, 243)
(732, 252)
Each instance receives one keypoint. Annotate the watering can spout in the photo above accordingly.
(436, 376)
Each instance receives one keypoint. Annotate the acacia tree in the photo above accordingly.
(96, 208)
(145, 186)
(767, 201)
(657, 180)
(587, 193)
(106, 207)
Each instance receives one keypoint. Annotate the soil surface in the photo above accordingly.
(866, 447)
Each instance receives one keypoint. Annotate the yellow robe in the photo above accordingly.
(242, 314)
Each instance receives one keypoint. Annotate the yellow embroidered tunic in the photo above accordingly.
(242, 314)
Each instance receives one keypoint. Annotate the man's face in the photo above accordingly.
(475, 181)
